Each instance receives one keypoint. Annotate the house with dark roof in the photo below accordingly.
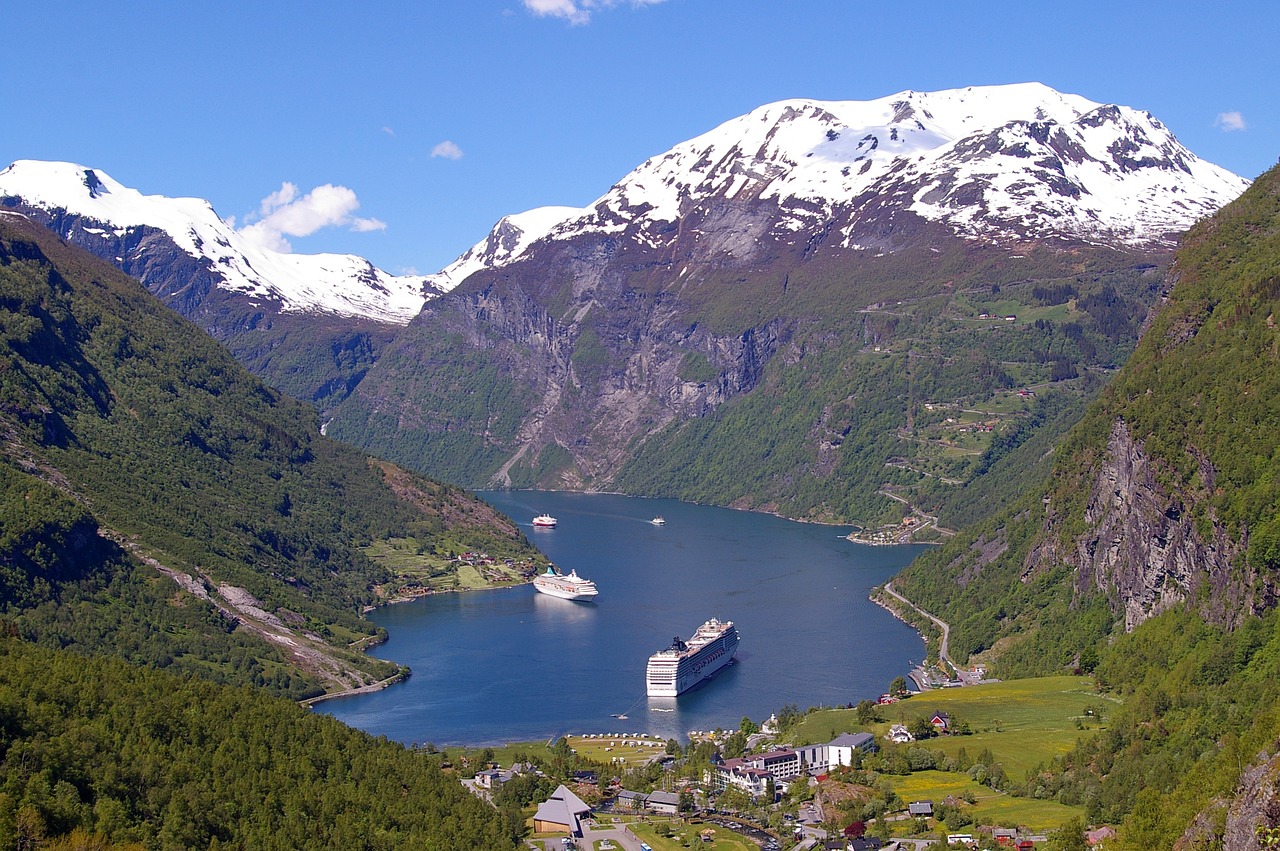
(563, 811)
(863, 843)
(920, 809)
(666, 803)
(628, 800)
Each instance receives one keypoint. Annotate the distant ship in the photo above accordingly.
(683, 665)
(659, 521)
(571, 587)
(545, 520)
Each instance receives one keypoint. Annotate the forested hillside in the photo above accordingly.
(1153, 556)
(97, 754)
(804, 389)
(161, 503)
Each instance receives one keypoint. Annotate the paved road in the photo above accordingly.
(946, 630)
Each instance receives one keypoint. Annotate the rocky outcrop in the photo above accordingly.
(616, 363)
(1247, 821)
(1145, 547)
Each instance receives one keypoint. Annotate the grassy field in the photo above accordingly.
(689, 836)
(624, 749)
(636, 749)
(418, 571)
(990, 807)
(1024, 723)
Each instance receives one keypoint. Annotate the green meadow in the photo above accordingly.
(1024, 723)
(990, 806)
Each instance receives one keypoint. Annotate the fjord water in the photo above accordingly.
(514, 665)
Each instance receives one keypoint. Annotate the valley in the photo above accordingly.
(973, 318)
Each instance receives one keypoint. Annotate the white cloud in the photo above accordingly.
(285, 213)
(1229, 121)
(448, 150)
(389, 131)
(579, 11)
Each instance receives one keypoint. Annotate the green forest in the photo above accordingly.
(134, 441)
(1200, 396)
(107, 755)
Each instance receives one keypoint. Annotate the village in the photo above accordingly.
(773, 796)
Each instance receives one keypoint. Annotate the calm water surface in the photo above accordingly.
(515, 665)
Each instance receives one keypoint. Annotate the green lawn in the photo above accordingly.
(1024, 723)
(414, 567)
(628, 750)
(990, 807)
(689, 836)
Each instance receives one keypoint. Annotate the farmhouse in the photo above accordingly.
(920, 809)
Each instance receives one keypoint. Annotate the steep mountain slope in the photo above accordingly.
(309, 324)
(1154, 554)
(845, 255)
(155, 495)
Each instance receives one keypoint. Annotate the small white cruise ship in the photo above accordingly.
(546, 521)
(685, 664)
(571, 587)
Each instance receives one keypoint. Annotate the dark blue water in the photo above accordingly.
(513, 665)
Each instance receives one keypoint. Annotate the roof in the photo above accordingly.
(851, 740)
(661, 797)
(563, 807)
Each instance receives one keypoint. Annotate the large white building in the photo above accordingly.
(752, 772)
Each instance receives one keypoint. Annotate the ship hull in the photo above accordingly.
(564, 593)
(670, 675)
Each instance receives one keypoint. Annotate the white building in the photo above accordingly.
(752, 773)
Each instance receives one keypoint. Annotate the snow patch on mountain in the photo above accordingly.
(1009, 162)
(341, 284)
(507, 241)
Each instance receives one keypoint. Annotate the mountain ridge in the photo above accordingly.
(160, 502)
(635, 329)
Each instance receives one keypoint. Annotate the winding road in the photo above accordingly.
(942, 626)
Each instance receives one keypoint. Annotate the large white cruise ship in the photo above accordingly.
(683, 665)
(571, 587)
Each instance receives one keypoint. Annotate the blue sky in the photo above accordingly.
(422, 123)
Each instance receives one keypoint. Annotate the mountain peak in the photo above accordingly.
(1012, 162)
(93, 208)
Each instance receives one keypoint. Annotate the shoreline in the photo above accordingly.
(396, 599)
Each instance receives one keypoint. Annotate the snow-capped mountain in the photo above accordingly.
(506, 242)
(89, 206)
(1000, 163)
(749, 254)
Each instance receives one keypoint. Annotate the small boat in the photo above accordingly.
(659, 521)
(546, 521)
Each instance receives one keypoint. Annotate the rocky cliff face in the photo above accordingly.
(676, 291)
(1143, 547)
(1245, 820)
(613, 362)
